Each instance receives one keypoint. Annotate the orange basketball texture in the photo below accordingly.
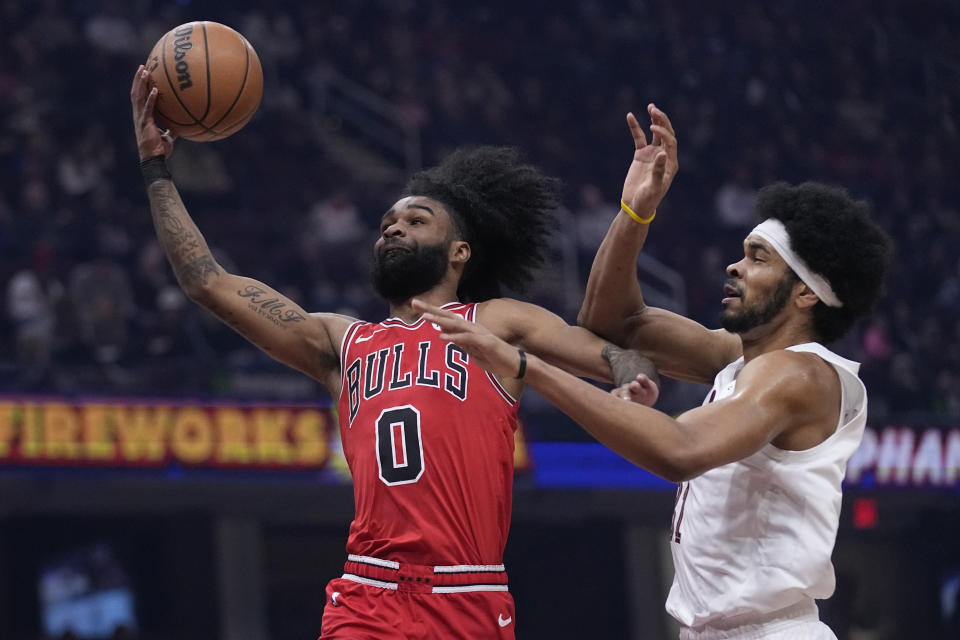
(208, 78)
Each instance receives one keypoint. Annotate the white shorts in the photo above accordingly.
(796, 622)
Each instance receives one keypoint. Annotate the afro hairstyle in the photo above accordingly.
(834, 235)
(501, 207)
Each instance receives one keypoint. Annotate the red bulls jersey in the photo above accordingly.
(428, 436)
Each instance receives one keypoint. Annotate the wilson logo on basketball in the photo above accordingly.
(181, 45)
(208, 78)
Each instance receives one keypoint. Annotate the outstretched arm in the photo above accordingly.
(613, 306)
(263, 316)
(772, 401)
(573, 349)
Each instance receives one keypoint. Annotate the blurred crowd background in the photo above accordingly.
(358, 94)
(859, 93)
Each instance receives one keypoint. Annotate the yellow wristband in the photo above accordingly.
(629, 212)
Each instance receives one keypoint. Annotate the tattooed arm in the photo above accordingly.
(187, 251)
(627, 365)
(635, 375)
(271, 321)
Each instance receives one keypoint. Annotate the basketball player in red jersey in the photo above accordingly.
(428, 435)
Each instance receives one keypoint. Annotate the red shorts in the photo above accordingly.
(384, 600)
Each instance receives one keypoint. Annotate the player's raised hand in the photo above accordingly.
(151, 141)
(486, 349)
(641, 390)
(654, 164)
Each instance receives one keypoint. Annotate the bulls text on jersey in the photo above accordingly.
(367, 375)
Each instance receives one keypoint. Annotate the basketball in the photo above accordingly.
(208, 78)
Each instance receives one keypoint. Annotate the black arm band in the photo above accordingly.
(154, 169)
(523, 364)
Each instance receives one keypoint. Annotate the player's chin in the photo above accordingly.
(728, 313)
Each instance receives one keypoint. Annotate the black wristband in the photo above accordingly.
(154, 169)
(523, 364)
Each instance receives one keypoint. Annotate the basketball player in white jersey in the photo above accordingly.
(760, 464)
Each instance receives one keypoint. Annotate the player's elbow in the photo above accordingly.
(605, 325)
(663, 465)
(202, 291)
(583, 320)
(198, 292)
(681, 465)
(671, 472)
(666, 449)
(678, 474)
(667, 464)
(584, 316)
(203, 283)
(593, 315)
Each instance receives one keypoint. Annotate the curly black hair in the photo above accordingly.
(834, 235)
(501, 207)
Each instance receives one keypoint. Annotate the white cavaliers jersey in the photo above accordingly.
(756, 535)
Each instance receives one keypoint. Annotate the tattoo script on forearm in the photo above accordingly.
(270, 305)
(179, 237)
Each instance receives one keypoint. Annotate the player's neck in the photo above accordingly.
(438, 296)
(774, 336)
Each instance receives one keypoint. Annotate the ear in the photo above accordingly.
(805, 297)
(459, 252)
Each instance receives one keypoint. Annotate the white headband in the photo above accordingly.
(773, 231)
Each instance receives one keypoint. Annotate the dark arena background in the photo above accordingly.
(160, 478)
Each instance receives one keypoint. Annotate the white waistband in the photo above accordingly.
(470, 568)
(440, 568)
(454, 588)
(754, 625)
(370, 582)
(450, 574)
(386, 564)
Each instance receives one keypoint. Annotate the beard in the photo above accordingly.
(404, 274)
(759, 314)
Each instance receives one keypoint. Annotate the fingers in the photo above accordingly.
(637, 393)
(641, 390)
(644, 391)
(663, 136)
(450, 323)
(657, 141)
(142, 99)
(151, 101)
(621, 392)
(639, 138)
(428, 309)
(422, 306)
(141, 82)
(447, 324)
(146, 112)
(662, 127)
(645, 381)
(642, 382)
(136, 88)
(660, 118)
